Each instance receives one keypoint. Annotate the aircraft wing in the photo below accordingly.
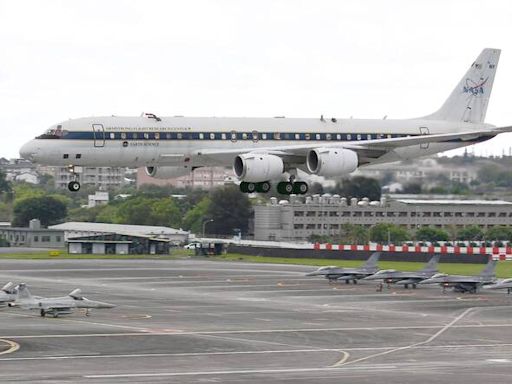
(367, 150)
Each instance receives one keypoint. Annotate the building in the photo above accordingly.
(205, 178)
(99, 177)
(73, 230)
(34, 236)
(19, 170)
(118, 244)
(299, 218)
(99, 198)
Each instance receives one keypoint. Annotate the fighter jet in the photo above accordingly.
(7, 294)
(392, 276)
(502, 284)
(333, 273)
(56, 306)
(464, 284)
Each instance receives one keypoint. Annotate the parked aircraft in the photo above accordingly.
(392, 276)
(57, 305)
(502, 284)
(266, 150)
(464, 284)
(7, 294)
(333, 273)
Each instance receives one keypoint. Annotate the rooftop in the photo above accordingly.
(454, 202)
(143, 230)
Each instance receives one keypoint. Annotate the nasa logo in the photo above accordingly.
(474, 88)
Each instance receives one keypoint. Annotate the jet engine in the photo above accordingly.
(256, 167)
(331, 161)
(167, 172)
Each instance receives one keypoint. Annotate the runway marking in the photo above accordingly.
(146, 331)
(344, 358)
(236, 372)
(13, 346)
(430, 339)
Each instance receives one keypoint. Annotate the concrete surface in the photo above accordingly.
(196, 321)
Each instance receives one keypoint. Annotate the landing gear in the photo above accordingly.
(263, 187)
(284, 187)
(42, 312)
(247, 187)
(74, 186)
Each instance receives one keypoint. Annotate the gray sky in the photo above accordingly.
(68, 59)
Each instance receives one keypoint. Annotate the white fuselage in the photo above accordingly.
(175, 141)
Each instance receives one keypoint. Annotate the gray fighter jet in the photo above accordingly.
(348, 274)
(55, 306)
(502, 284)
(392, 276)
(7, 294)
(464, 284)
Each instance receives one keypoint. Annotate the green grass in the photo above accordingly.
(504, 269)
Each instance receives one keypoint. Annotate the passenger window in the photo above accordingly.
(157, 136)
(297, 136)
(244, 136)
(134, 135)
(123, 135)
(368, 137)
(318, 136)
(338, 137)
(264, 136)
(201, 136)
(212, 136)
(112, 135)
(349, 137)
(223, 136)
(277, 136)
(328, 136)
(146, 135)
(179, 135)
(358, 137)
(307, 136)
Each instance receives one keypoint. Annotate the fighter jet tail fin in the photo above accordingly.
(372, 261)
(431, 266)
(468, 101)
(9, 287)
(490, 269)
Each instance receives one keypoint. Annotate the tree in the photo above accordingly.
(470, 233)
(431, 234)
(229, 209)
(194, 218)
(384, 232)
(5, 186)
(47, 209)
(359, 187)
(498, 233)
(354, 234)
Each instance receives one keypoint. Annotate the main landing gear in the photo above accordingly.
(74, 185)
(283, 187)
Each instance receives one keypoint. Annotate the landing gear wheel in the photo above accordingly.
(263, 187)
(300, 188)
(251, 187)
(74, 186)
(285, 188)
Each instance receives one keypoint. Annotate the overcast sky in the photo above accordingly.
(67, 59)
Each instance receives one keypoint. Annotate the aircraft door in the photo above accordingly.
(99, 135)
(424, 131)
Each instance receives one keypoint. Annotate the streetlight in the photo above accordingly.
(206, 222)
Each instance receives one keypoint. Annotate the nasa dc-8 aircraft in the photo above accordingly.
(267, 150)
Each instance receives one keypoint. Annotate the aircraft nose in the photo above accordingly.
(28, 150)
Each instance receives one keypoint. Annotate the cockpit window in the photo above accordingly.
(55, 132)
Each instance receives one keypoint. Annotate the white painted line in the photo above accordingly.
(237, 372)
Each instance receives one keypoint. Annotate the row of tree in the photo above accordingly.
(389, 233)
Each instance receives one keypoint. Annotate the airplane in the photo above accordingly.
(267, 150)
(392, 276)
(502, 284)
(7, 294)
(464, 284)
(333, 273)
(57, 305)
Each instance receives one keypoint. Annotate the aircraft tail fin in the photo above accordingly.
(23, 292)
(490, 269)
(431, 266)
(468, 101)
(372, 261)
(9, 287)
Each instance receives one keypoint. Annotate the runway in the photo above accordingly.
(197, 321)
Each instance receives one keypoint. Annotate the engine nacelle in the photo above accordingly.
(331, 161)
(167, 172)
(256, 168)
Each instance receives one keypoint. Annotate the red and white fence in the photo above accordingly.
(497, 253)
